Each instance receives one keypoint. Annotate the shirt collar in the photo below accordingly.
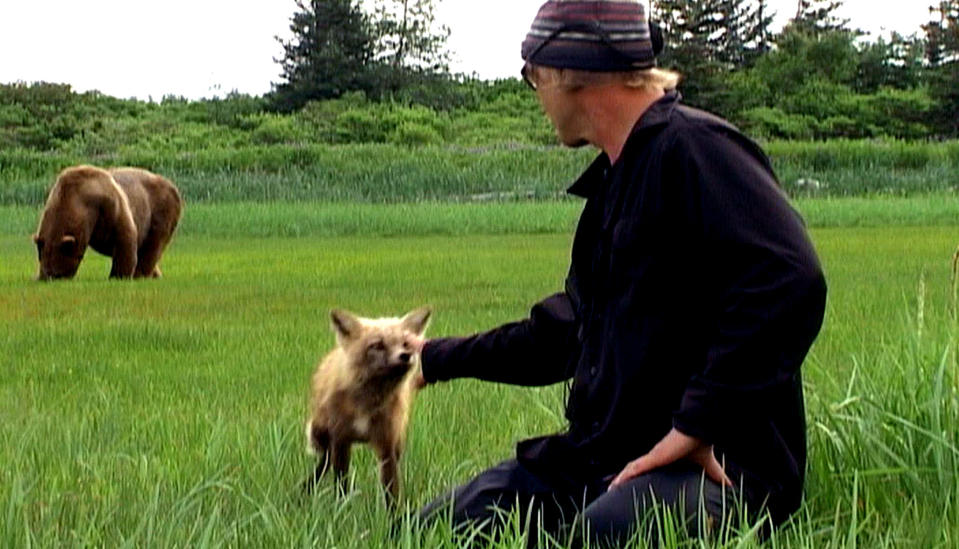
(657, 114)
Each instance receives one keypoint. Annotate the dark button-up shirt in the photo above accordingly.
(692, 298)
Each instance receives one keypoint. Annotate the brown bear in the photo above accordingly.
(128, 214)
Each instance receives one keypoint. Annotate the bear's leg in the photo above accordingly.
(124, 259)
(148, 256)
(124, 249)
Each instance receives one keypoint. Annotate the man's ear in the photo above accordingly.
(35, 237)
(417, 320)
(345, 325)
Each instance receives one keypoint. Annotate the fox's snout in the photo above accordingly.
(401, 363)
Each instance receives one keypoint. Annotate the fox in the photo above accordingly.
(362, 391)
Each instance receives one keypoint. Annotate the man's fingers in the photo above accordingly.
(715, 471)
(673, 447)
(418, 342)
(633, 469)
(712, 467)
(419, 381)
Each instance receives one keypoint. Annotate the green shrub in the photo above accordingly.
(413, 133)
(274, 129)
(773, 122)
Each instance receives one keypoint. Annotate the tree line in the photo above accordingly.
(818, 77)
(383, 48)
(378, 72)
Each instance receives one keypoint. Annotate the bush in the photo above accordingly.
(235, 110)
(773, 122)
(413, 133)
(274, 129)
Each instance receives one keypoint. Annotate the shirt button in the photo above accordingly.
(592, 371)
(596, 426)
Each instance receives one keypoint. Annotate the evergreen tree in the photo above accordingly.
(706, 39)
(410, 47)
(331, 52)
(814, 46)
(816, 17)
(408, 37)
(942, 55)
(758, 35)
(894, 63)
(338, 47)
(942, 34)
(687, 26)
(744, 32)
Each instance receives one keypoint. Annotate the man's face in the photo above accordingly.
(562, 107)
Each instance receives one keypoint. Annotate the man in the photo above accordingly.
(692, 299)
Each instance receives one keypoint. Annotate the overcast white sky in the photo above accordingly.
(205, 48)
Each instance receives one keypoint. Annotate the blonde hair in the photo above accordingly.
(645, 79)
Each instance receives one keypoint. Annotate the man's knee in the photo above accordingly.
(656, 502)
(499, 495)
(490, 494)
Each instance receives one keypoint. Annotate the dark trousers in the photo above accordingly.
(605, 517)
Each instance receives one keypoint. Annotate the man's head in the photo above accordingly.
(582, 43)
(605, 45)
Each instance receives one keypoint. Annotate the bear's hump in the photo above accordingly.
(82, 175)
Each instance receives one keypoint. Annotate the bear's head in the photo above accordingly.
(59, 255)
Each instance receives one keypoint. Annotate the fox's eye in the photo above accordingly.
(377, 345)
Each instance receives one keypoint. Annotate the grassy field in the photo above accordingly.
(169, 412)
(309, 219)
(389, 173)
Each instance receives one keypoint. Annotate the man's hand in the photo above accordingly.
(418, 342)
(674, 447)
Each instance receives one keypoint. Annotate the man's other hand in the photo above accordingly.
(674, 447)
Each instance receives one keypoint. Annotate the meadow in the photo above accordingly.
(307, 171)
(169, 412)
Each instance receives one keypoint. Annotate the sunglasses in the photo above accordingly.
(524, 72)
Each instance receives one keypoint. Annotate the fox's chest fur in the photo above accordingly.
(353, 406)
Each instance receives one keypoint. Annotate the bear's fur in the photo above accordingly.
(128, 214)
(362, 392)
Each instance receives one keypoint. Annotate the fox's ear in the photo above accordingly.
(417, 320)
(345, 324)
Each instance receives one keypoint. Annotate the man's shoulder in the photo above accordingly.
(683, 127)
(686, 118)
(693, 128)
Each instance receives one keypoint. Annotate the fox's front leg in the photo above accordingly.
(388, 450)
(320, 442)
(340, 458)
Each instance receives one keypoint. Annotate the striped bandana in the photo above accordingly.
(597, 35)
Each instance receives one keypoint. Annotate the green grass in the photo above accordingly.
(306, 219)
(380, 173)
(169, 412)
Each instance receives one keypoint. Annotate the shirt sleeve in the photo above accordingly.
(767, 289)
(535, 351)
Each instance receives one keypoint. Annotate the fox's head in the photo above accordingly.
(380, 348)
